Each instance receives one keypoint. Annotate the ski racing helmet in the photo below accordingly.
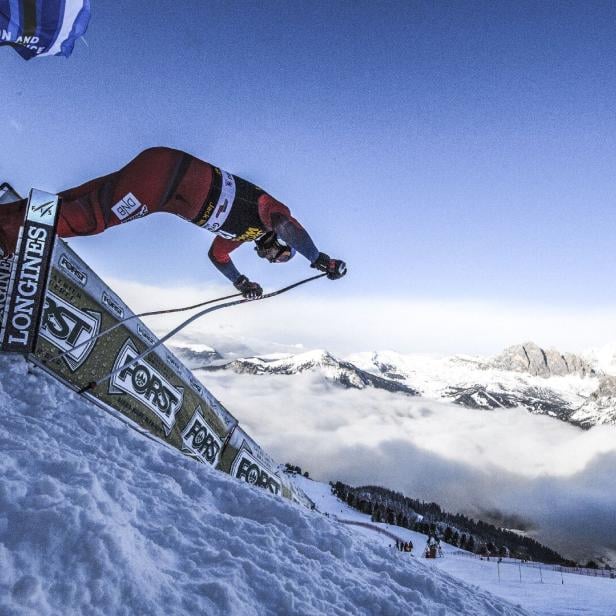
(270, 247)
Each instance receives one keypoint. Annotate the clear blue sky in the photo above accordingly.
(445, 149)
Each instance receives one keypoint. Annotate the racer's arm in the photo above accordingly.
(277, 217)
(219, 256)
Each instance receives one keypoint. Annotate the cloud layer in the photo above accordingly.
(553, 478)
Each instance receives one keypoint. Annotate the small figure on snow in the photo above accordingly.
(167, 180)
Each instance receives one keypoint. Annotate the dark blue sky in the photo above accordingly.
(446, 149)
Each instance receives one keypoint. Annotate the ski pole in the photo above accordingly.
(134, 316)
(92, 385)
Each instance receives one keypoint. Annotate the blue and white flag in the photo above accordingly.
(36, 28)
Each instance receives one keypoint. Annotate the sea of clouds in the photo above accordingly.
(527, 471)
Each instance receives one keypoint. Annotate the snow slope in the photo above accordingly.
(541, 590)
(97, 519)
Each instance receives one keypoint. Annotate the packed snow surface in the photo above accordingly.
(97, 519)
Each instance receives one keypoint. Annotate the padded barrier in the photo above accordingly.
(158, 395)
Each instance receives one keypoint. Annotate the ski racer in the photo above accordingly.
(166, 180)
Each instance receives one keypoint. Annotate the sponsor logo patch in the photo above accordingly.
(196, 386)
(199, 438)
(66, 326)
(251, 234)
(172, 362)
(42, 208)
(223, 207)
(112, 305)
(146, 385)
(73, 271)
(249, 469)
(129, 207)
(146, 334)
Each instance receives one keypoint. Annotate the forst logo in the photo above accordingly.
(246, 467)
(199, 438)
(113, 306)
(146, 385)
(70, 268)
(66, 326)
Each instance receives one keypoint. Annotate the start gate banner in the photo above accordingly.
(158, 393)
(56, 311)
(29, 268)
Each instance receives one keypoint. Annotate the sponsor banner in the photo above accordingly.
(157, 395)
(199, 439)
(29, 277)
(96, 295)
(251, 470)
(147, 385)
(67, 327)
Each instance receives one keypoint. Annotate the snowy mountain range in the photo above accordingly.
(343, 373)
(569, 387)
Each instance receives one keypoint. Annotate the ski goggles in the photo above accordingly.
(271, 248)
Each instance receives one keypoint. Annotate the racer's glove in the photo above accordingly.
(334, 268)
(250, 290)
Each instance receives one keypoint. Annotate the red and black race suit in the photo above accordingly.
(163, 180)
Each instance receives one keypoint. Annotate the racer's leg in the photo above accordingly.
(157, 180)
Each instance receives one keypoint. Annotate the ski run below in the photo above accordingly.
(538, 588)
(97, 519)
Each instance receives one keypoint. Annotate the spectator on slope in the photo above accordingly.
(167, 180)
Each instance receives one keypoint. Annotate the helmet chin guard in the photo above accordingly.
(270, 247)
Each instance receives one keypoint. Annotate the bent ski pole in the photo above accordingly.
(173, 332)
(134, 316)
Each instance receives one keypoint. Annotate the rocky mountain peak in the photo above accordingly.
(536, 361)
